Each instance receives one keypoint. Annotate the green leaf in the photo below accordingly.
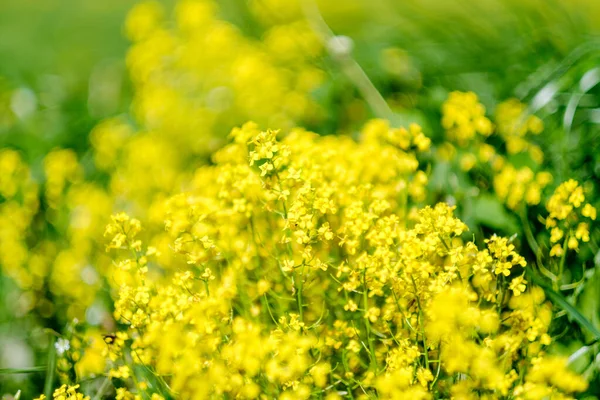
(488, 211)
(438, 180)
(589, 298)
(10, 371)
(51, 368)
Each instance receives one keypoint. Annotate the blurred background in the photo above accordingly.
(67, 66)
(63, 62)
(62, 70)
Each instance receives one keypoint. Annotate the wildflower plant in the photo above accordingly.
(302, 281)
(420, 244)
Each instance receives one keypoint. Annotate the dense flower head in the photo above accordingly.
(292, 265)
(516, 187)
(19, 194)
(311, 273)
(569, 217)
(179, 89)
(463, 117)
(471, 138)
(514, 124)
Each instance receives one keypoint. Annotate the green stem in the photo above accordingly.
(437, 374)
(266, 303)
(422, 325)
(561, 266)
(51, 368)
(562, 303)
(206, 287)
(31, 370)
(444, 243)
(368, 323)
(348, 65)
(299, 283)
(529, 234)
(102, 388)
(501, 294)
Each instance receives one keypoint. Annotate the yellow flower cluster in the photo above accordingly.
(463, 117)
(307, 272)
(75, 208)
(61, 168)
(518, 186)
(197, 73)
(294, 266)
(513, 124)
(18, 192)
(66, 393)
(568, 218)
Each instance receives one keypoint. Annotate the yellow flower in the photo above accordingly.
(589, 211)
(518, 285)
(351, 306)
(556, 250)
(463, 117)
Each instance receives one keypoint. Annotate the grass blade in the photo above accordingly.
(30, 370)
(559, 300)
(51, 368)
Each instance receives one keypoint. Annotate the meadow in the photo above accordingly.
(299, 199)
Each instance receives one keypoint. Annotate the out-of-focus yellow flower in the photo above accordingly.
(514, 124)
(566, 214)
(517, 187)
(463, 117)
